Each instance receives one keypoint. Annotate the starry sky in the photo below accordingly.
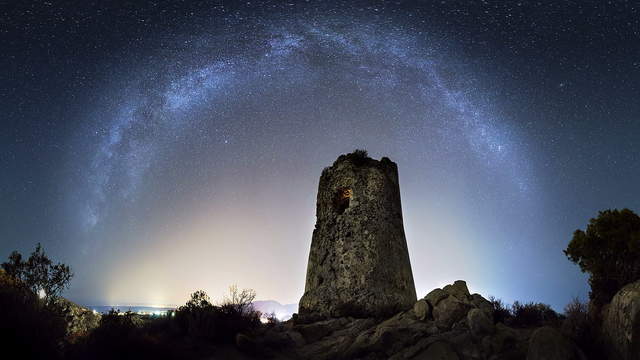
(165, 147)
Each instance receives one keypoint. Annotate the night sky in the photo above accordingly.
(174, 146)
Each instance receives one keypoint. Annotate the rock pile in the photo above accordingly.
(447, 324)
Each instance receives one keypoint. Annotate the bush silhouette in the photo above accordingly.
(609, 250)
(582, 329)
(200, 319)
(532, 314)
(359, 156)
(132, 336)
(501, 312)
(523, 315)
(197, 318)
(193, 331)
(361, 153)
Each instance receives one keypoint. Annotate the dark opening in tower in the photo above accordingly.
(341, 199)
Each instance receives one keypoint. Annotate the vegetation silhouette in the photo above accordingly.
(200, 319)
(193, 331)
(34, 325)
(582, 329)
(39, 274)
(523, 314)
(359, 156)
(29, 325)
(609, 251)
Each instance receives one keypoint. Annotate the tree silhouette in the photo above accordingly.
(609, 250)
(38, 273)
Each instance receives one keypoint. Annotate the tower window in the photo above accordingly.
(341, 199)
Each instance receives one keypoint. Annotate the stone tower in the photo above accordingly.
(359, 263)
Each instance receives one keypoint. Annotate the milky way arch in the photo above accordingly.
(182, 94)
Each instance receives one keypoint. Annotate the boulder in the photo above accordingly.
(434, 297)
(449, 307)
(621, 323)
(479, 323)
(438, 351)
(316, 331)
(458, 289)
(341, 341)
(483, 304)
(547, 343)
(392, 335)
(449, 311)
(422, 309)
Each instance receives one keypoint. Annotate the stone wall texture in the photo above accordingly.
(359, 263)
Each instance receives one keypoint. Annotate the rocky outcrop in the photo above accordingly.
(621, 323)
(80, 321)
(359, 263)
(448, 323)
(449, 306)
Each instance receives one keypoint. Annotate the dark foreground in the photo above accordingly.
(448, 323)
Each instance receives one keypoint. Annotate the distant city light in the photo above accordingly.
(149, 310)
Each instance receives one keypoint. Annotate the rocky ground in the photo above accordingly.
(448, 324)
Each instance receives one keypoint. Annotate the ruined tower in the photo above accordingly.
(359, 263)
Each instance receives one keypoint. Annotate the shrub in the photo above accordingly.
(114, 323)
(190, 332)
(131, 336)
(501, 313)
(609, 250)
(238, 313)
(582, 329)
(532, 314)
(200, 319)
(523, 315)
(198, 316)
(576, 322)
(360, 153)
(358, 157)
(241, 301)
